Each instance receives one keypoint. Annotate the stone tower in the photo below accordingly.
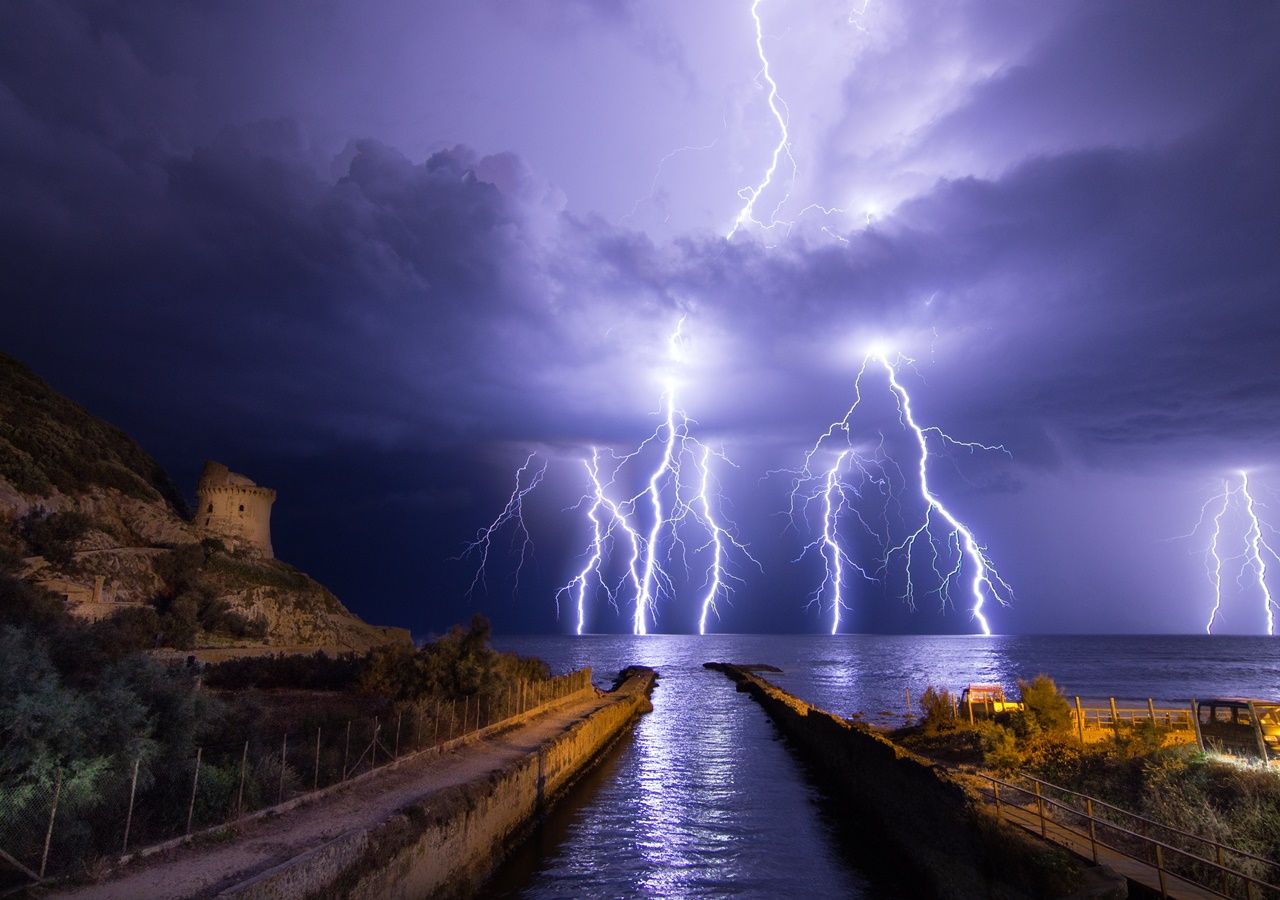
(232, 508)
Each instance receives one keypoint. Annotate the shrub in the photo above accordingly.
(128, 630)
(317, 672)
(54, 535)
(999, 747)
(1043, 707)
(937, 710)
(22, 603)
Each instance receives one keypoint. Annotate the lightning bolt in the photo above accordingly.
(512, 514)
(679, 493)
(1215, 569)
(602, 537)
(1254, 547)
(941, 530)
(648, 588)
(1257, 547)
(778, 109)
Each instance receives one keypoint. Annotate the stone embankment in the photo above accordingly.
(924, 815)
(433, 825)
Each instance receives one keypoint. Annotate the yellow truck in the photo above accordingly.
(985, 701)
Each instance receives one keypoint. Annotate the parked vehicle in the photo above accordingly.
(985, 700)
(1240, 726)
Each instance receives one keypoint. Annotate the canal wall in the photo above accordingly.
(950, 846)
(447, 844)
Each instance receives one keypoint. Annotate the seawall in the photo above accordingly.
(447, 844)
(923, 814)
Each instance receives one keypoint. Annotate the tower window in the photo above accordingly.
(241, 507)
(210, 509)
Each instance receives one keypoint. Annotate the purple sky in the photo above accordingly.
(386, 249)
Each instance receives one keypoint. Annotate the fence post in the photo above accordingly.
(53, 812)
(1080, 719)
(195, 784)
(346, 753)
(1093, 834)
(1164, 890)
(435, 728)
(128, 818)
(315, 782)
(995, 784)
(1222, 868)
(373, 747)
(1257, 733)
(284, 747)
(417, 736)
(1040, 809)
(1115, 718)
(1151, 711)
(466, 709)
(1195, 723)
(244, 759)
(395, 754)
(907, 693)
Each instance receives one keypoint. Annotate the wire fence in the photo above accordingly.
(77, 818)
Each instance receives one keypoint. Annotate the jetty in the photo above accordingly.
(930, 819)
(435, 821)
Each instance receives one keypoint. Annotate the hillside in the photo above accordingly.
(89, 516)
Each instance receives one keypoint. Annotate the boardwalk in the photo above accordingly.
(206, 869)
(1141, 849)
(1127, 866)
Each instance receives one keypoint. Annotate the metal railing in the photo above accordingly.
(1216, 875)
(47, 830)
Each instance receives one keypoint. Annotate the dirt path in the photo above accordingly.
(204, 870)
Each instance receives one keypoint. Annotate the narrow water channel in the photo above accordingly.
(703, 800)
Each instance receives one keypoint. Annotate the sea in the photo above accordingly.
(704, 799)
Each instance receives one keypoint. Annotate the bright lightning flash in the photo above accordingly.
(778, 109)
(1254, 547)
(1257, 547)
(527, 478)
(679, 493)
(941, 531)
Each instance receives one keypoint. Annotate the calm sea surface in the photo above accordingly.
(704, 800)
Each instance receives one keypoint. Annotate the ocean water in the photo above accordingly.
(705, 800)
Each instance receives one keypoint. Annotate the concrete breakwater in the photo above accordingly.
(448, 842)
(923, 815)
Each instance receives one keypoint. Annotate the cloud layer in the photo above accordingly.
(1075, 243)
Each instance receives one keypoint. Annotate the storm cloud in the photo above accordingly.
(1073, 235)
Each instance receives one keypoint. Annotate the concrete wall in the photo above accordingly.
(949, 844)
(450, 842)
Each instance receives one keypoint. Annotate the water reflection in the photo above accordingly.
(705, 801)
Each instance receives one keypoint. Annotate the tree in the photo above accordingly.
(938, 712)
(1045, 709)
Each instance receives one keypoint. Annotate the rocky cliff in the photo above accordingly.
(86, 513)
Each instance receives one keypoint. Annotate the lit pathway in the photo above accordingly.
(204, 869)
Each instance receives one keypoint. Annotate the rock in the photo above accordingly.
(126, 537)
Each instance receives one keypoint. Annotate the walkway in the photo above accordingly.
(1130, 868)
(202, 870)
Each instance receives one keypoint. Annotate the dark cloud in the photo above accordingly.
(1100, 295)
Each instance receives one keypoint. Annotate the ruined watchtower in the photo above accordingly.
(231, 507)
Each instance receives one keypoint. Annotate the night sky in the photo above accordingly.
(372, 255)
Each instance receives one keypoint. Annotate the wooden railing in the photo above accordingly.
(1129, 839)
